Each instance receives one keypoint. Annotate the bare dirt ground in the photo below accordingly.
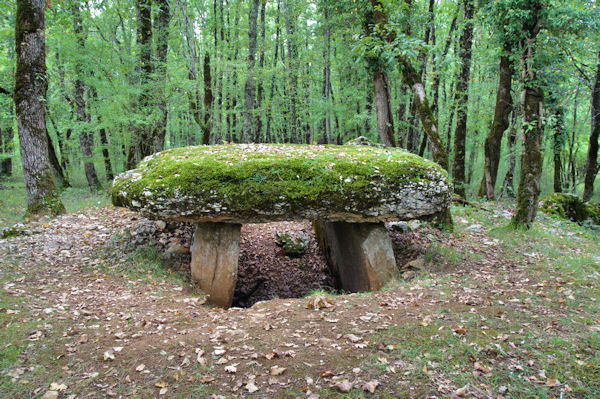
(93, 322)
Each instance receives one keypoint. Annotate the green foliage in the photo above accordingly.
(111, 68)
(571, 207)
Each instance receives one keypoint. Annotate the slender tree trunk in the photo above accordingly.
(292, 59)
(368, 110)
(435, 86)
(493, 141)
(385, 123)
(558, 138)
(103, 140)
(29, 97)
(591, 166)
(249, 88)
(6, 139)
(268, 137)
(532, 98)
(59, 174)
(462, 101)
(508, 188)
(86, 139)
(106, 155)
(326, 121)
(162, 19)
(208, 100)
(429, 35)
(143, 142)
(572, 171)
(261, 64)
(57, 165)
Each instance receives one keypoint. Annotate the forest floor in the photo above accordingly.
(87, 311)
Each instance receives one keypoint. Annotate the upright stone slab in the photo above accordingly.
(214, 265)
(359, 255)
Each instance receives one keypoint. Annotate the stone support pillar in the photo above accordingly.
(359, 255)
(215, 250)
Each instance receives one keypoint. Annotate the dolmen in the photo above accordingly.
(348, 192)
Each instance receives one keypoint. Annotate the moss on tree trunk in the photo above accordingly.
(29, 96)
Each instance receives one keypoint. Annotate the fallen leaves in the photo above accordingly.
(370, 386)
(58, 387)
(232, 368)
(319, 302)
(481, 367)
(459, 329)
(276, 370)
(460, 392)
(251, 387)
(344, 386)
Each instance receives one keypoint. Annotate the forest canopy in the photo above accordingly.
(456, 81)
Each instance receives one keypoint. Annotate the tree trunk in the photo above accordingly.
(508, 188)
(103, 140)
(208, 99)
(571, 163)
(162, 19)
(532, 98)
(462, 101)
(429, 36)
(142, 140)
(411, 78)
(385, 123)
(249, 88)
(106, 155)
(29, 97)
(292, 52)
(326, 121)
(261, 64)
(268, 136)
(435, 86)
(493, 141)
(59, 174)
(6, 139)
(558, 138)
(591, 166)
(86, 140)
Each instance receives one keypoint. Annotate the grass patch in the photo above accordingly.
(13, 201)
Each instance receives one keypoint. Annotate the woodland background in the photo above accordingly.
(127, 78)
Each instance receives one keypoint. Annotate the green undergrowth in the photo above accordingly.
(237, 178)
(571, 207)
(13, 200)
(558, 337)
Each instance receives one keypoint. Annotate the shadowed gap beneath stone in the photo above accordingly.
(359, 256)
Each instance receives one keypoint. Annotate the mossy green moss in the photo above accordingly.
(571, 207)
(276, 182)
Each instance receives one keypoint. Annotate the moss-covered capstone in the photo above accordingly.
(250, 183)
(571, 207)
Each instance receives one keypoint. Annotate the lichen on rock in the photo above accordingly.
(253, 183)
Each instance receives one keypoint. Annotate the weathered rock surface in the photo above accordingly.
(360, 255)
(214, 266)
(294, 243)
(262, 183)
